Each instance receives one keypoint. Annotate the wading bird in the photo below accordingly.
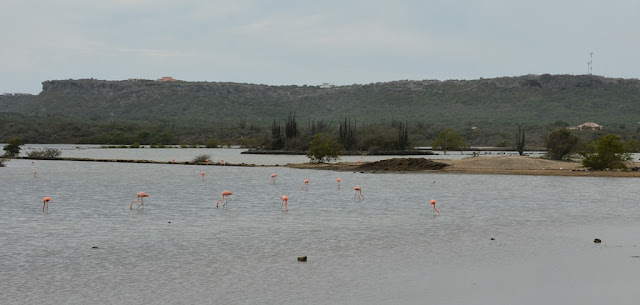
(285, 200)
(433, 203)
(140, 200)
(273, 179)
(305, 186)
(46, 202)
(225, 198)
(358, 190)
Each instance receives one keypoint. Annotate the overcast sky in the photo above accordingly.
(312, 42)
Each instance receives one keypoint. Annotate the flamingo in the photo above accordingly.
(285, 200)
(358, 190)
(202, 176)
(46, 201)
(222, 162)
(338, 180)
(305, 186)
(433, 203)
(140, 200)
(225, 198)
(273, 179)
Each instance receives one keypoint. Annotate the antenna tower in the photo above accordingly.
(591, 64)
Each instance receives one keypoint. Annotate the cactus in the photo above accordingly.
(347, 133)
(520, 140)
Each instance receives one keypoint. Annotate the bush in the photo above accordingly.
(48, 153)
(12, 149)
(211, 143)
(606, 153)
(201, 159)
(449, 140)
(323, 148)
(560, 143)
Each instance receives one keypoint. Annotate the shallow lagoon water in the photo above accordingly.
(387, 249)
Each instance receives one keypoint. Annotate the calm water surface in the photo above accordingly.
(387, 249)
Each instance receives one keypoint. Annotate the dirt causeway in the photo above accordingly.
(502, 165)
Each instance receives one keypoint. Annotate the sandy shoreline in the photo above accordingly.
(499, 165)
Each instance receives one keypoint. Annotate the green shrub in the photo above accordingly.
(606, 153)
(47, 153)
(323, 148)
(211, 143)
(12, 149)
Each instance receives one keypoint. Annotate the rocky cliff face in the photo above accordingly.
(453, 102)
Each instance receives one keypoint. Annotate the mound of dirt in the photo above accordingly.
(402, 164)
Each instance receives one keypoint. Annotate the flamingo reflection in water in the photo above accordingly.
(225, 198)
(140, 200)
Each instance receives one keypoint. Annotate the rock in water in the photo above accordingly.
(302, 258)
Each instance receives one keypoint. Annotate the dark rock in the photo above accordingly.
(302, 258)
(597, 240)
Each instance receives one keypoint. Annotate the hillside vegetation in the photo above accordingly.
(484, 111)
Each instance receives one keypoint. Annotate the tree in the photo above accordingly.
(560, 143)
(323, 148)
(606, 153)
(520, 141)
(449, 140)
(12, 149)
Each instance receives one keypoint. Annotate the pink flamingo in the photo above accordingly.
(358, 190)
(46, 202)
(285, 201)
(338, 180)
(273, 179)
(305, 186)
(225, 198)
(433, 203)
(207, 161)
(222, 162)
(202, 176)
(140, 200)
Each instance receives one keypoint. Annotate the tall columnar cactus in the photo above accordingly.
(520, 140)
(403, 136)
(347, 133)
(291, 127)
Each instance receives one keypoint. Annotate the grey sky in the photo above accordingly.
(311, 42)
